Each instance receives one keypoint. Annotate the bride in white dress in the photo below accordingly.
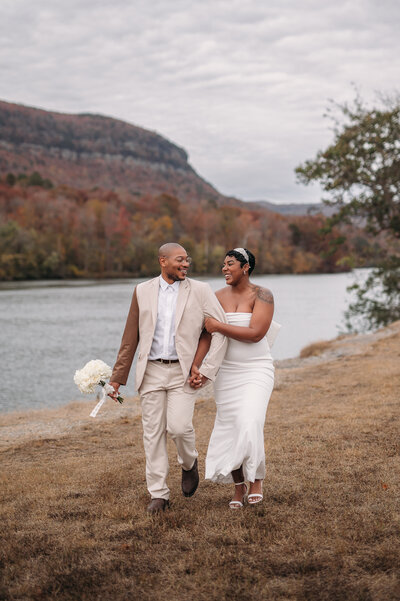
(244, 382)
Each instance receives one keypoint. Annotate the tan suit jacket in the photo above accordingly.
(195, 302)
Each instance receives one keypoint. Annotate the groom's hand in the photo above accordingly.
(196, 380)
(114, 394)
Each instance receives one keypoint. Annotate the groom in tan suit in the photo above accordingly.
(166, 319)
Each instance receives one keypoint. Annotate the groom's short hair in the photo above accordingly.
(167, 248)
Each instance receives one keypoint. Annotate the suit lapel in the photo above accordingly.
(155, 287)
(184, 289)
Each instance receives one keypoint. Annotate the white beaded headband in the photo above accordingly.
(242, 252)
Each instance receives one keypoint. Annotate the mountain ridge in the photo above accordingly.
(90, 149)
(292, 208)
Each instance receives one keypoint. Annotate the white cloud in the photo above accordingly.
(241, 85)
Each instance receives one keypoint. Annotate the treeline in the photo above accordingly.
(49, 231)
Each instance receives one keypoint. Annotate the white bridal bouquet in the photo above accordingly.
(95, 374)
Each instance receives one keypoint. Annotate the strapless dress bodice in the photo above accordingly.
(239, 351)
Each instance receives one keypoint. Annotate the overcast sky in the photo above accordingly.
(242, 85)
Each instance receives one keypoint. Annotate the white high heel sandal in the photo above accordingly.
(239, 504)
(255, 498)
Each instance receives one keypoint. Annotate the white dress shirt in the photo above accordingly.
(163, 346)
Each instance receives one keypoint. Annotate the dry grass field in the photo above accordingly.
(73, 521)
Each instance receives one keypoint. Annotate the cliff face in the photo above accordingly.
(92, 150)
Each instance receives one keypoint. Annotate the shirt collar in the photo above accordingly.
(164, 285)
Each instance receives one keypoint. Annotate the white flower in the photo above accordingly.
(89, 376)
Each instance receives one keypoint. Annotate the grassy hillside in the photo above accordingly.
(73, 497)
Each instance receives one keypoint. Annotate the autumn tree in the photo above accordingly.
(360, 172)
(63, 232)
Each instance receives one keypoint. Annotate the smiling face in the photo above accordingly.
(174, 264)
(232, 270)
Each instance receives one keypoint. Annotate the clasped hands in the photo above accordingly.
(196, 380)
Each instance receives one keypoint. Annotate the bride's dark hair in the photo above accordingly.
(241, 258)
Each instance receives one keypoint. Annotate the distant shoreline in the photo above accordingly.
(51, 283)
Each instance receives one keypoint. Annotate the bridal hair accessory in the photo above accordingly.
(94, 374)
(242, 252)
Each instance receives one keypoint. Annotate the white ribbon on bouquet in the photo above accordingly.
(104, 392)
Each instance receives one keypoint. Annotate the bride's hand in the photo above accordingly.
(196, 379)
(211, 325)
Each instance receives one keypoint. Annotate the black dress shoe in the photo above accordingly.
(157, 505)
(190, 480)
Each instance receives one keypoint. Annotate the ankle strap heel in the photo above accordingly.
(239, 504)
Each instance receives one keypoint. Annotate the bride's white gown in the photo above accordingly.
(242, 391)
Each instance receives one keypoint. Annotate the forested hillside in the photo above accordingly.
(92, 196)
(49, 231)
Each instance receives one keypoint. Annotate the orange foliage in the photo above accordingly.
(65, 232)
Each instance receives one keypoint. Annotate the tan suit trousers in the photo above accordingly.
(166, 408)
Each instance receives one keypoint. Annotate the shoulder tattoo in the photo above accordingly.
(264, 295)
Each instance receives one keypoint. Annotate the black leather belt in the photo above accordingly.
(168, 361)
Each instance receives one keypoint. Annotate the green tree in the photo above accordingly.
(35, 179)
(360, 171)
(11, 179)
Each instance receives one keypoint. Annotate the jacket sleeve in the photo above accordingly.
(216, 353)
(129, 343)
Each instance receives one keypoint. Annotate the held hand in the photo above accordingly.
(114, 394)
(196, 380)
(195, 377)
(211, 325)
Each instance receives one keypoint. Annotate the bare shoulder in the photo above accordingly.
(263, 294)
(221, 293)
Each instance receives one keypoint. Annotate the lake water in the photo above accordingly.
(50, 329)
